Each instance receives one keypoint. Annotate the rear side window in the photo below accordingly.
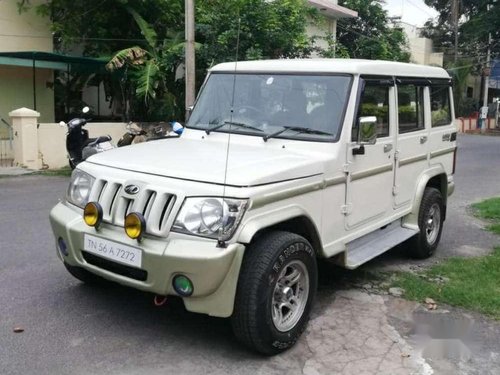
(410, 108)
(440, 106)
(375, 102)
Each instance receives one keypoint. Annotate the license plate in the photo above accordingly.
(112, 250)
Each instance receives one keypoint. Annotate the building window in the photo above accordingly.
(470, 92)
(440, 106)
(410, 108)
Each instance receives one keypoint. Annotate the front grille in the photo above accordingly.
(156, 206)
(120, 269)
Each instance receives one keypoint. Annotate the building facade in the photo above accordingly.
(25, 32)
(326, 27)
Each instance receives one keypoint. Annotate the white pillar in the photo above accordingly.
(25, 141)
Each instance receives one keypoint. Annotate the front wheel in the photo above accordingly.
(430, 223)
(275, 293)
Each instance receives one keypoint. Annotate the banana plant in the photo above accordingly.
(153, 65)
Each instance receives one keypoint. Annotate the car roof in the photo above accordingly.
(349, 66)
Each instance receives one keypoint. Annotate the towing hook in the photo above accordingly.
(160, 300)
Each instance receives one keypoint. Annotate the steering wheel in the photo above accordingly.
(242, 111)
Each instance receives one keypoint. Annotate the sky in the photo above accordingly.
(414, 12)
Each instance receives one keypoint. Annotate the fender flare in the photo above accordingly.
(270, 218)
(411, 220)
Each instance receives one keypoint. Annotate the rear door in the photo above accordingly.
(412, 139)
(442, 143)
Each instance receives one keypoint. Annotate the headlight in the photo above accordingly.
(210, 217)
(79, 188)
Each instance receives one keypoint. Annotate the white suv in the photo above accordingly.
(282, 162)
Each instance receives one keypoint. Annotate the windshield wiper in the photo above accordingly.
(239, 124)
(298, 129)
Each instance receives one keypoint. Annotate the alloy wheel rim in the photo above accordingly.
(433, 223)
(290, 295)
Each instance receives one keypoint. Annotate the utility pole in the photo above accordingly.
(190, 55)
(454, 15)
(486, 82)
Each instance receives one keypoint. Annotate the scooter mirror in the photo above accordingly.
(62, 123)
(85, 109)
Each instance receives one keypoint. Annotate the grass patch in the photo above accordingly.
(65, 172)
(474, 283)
(489, 210)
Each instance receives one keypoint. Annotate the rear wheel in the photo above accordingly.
(430, 222)
(276, 290)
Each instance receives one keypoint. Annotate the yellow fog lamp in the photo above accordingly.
(92, 214)
(135, 225)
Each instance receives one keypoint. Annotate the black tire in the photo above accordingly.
(85, 276)
(268, 258)
(424, 245)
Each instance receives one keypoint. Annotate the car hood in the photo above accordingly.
(204, 160)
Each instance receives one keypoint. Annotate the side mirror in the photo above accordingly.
(85, 109)
(367, 134)
(367, 130)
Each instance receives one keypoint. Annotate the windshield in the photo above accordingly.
(264, 104)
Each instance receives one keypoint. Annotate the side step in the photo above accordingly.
(375, 243)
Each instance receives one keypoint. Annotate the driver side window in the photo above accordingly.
(374, 102)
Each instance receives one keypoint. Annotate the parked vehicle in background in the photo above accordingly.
(282, 162)
(78, 144)
(134, 134)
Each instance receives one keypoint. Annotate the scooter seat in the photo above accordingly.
(95, 141)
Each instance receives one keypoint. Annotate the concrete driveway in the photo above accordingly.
(71, 328)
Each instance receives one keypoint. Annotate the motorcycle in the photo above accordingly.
(78, 144)
(134, 134)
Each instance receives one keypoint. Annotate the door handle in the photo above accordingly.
(423, 139)
(387, 147)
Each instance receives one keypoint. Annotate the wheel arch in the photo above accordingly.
(295, 221)
(435, 177)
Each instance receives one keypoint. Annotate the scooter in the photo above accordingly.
(78, 143)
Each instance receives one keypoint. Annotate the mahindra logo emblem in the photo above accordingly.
(132, 189)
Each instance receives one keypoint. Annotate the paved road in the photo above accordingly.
(71, 328)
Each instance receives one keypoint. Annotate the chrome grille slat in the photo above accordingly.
(96, 193)
(149, 204)
(108, 198)
(120, 210)
(155, 213)
(155, 206)
(166, 212)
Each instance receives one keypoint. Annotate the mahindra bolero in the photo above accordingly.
(282, 163)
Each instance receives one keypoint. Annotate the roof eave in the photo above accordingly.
(333, 10)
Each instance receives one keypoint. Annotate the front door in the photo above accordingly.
(371, 175)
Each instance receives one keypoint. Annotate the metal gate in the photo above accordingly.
(6, 150)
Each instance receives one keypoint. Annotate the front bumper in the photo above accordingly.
(214, 271)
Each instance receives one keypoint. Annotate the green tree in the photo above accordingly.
(267, 29)
(369, 36)
(102, 27)
(475, 23)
